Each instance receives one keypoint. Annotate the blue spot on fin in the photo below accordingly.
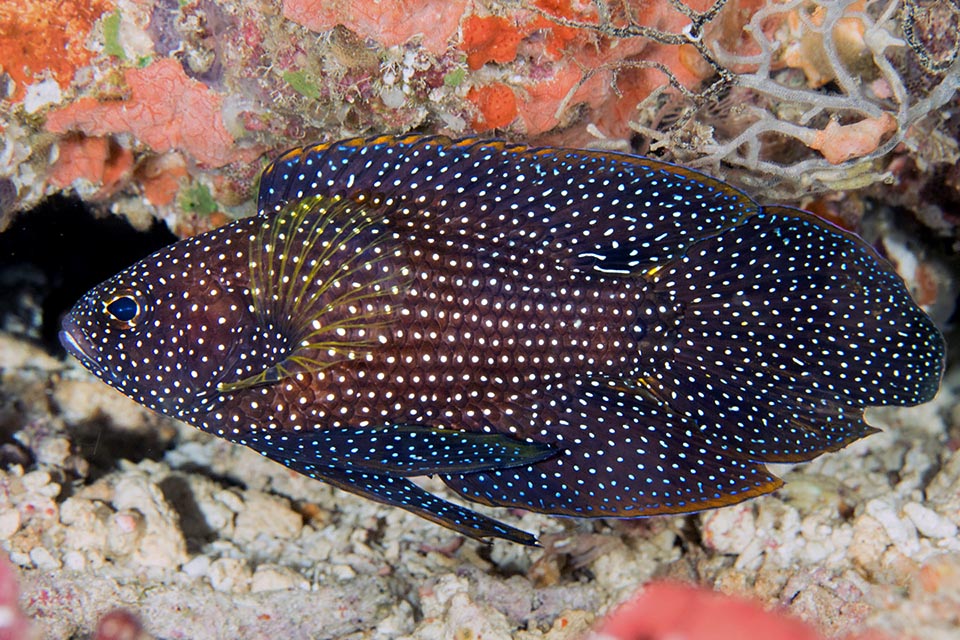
(411, 449)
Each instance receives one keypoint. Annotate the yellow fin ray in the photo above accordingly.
(322, 278)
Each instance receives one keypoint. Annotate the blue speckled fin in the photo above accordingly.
(786, 329)
(625, 456)
(397, 491)
(413, 450)
(652, 210)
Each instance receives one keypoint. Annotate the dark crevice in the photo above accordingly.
(102, 444)
(51, 255)
(178, 493)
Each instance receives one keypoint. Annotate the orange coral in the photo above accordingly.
(389, 23)
(490, 39)
(497, 104)
(542, 100)
(839, 143)
(160, 178)
(496, 39)
(99, 160)
(46, 35)
(577, 52)
(559, 37)
(166, 110)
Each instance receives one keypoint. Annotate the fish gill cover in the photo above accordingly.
(571, 332)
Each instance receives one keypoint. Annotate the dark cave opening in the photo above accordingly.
(51, 255)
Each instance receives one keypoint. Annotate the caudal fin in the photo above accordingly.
(773, 337)
(786, 329)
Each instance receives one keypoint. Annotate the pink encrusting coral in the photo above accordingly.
(669, 611)
(97, 159)
(165, 110)
(13, 624)
(389, 23)
(839, 143)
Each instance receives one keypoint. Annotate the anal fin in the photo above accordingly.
(622, 455)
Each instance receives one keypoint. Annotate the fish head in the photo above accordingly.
(165, 331)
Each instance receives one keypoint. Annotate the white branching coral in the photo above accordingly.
(806, 95)
(853, 56)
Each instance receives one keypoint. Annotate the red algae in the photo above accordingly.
(166, 110)
(541, 104)
(584, 62)
(40, 37)
(160, 178)
(389, 23)
(489, 39)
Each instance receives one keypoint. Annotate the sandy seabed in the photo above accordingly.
(105, 505)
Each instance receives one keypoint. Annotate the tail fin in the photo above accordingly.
(787, 329)
(773, 337)
(776, 329)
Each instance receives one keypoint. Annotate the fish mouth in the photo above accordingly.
(76, 343)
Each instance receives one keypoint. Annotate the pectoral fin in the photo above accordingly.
(414, 450)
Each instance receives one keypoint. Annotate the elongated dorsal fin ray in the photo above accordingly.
(320, 318)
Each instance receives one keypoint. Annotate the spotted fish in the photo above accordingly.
(569, 332)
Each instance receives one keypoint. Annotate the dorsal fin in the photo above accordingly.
(640, 212)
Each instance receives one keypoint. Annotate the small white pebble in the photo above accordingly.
(36, 481)
(273, 578)
(74, 561)
(198, 567)
(928, 522)
(229, 575)
(230, 500)
(9, 523)
(900, 530)
(43, 559)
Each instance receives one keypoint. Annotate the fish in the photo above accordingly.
(578, 333)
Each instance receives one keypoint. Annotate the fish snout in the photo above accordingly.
(75, 341)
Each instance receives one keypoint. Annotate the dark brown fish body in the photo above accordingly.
(461, 342)
(573, 333)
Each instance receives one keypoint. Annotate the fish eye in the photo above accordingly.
(124, 308)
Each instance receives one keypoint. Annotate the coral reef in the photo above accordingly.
(830, 77)
(797, 97)
(165, 110)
